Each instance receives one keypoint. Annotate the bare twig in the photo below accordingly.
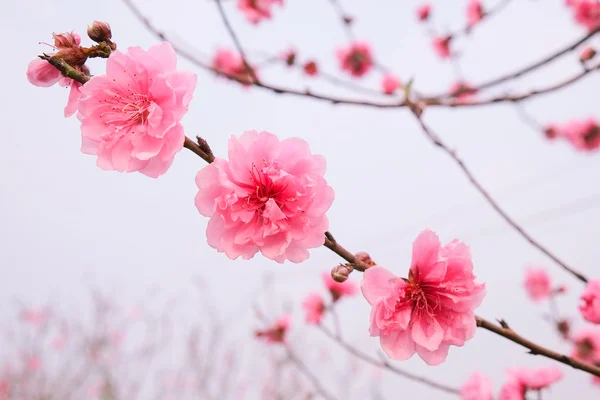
(536, 349)
(435, 139)
(386, 365)
(308, 374)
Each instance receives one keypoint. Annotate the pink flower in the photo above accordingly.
(463, 92)
(339, 289)
(257, 10)
(270, 196)
(130, 116)
(41, 73)
(537, 283)
(432, 309)
(586, 344)
(423, 12)
(356, 59)
(512, 390)
(232, 64)
(314, 306)
(584, 135)
(586, 12)
(33, 317)
(590, 302)
(441, 45)
(389, 83)
(311, 68)
(535, 379)
(474, 12)
(477, 387)
(277, 332)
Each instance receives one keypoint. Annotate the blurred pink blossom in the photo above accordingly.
(232, 64)
(339, 289)
(256, 11)
(586, 12)
(441, 46)
(474, 12)
(477, 387)
(423, 12)
(130, 116)
(389, 83)
(536, 378)
(314, 307)
(277, 332)
(463, 92)
(356, 59)
(590, 302)
(537, 283)
(431, 310)
(586, 345)
(584, 135)
(270, 196)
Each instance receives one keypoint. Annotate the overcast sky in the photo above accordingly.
(65, 223)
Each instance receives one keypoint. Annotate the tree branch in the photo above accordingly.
(536, 349)
(435, 139)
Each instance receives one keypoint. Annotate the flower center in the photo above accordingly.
(421, 299)
(585, 348)
(126, 112)
(263, 189)
(591, 135)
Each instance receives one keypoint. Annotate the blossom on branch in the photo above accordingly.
(257, 10)
(423, 12)
(314, 306)
(270, 196)
(475, 12)
(311, 68)
(522, 380)
(389, 83)
(584, 135)
(441, 46)
(590, 302)
(356, 59)
(231, 64)
(586, 345)
(277, 332)
(477, 387)
(130, 116)
(537, 283)
(41, 73)
(431, 310)
(339, 289)
(586, 12)
(463, 92)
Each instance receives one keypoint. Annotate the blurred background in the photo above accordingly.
(69, 230)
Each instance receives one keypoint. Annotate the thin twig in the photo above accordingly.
(536, 349)
(385, 365)
(308, 374)
(435, 139)
(345, 19)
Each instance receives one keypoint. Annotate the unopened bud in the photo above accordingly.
(365, 257)
(348, 20)
(551, 132)
(587, 54)
(340, 273)
(561, 289)
(99, 31)
(564, 328)
(311, 68)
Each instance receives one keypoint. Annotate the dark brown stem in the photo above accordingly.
(194, 148)
(536, 349)
(345, 254)
(435, 139)
(386, 365)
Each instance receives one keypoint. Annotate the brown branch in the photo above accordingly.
(536, 349)
(345, 254)
(65, 69)
(435, 139)
(518, 97)
(532, 67)
(386, 365)
(345, 19)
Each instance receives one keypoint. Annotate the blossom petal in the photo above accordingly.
(377, 282)
(398, 345)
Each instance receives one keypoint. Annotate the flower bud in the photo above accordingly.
(311, 68)
(564, 328)
(365, 257)
(340, 273)
(99, 31)
(587, 54)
